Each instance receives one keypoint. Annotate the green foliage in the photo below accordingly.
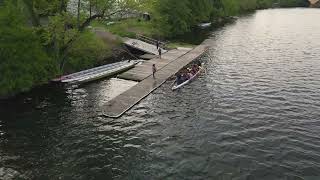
(129, 27)
(201, 10)
(293, 3)
(87, 51)
(23, 61)
(57, 32)
(177, 14)
(178, 17)
(263, 4)
(248, 5)
(31, 53)
(49, 7)
(230, 7)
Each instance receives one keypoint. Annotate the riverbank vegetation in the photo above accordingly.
(41, 39)
(170, 18)
(178, 17)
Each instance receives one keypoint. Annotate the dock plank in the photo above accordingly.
(142, 71)
(125, 101)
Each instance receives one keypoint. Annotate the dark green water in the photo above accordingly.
(254, 115)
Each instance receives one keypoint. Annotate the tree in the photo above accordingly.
(201, 10)
(23, 61)
(175, 17)
(64, 29)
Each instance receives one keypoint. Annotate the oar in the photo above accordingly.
(173, 82)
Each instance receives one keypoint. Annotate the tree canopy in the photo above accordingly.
(38, 38)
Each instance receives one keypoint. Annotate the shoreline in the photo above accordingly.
(119, 53)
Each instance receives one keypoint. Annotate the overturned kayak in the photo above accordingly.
(204, 25)
(96, 73)
(177, 86)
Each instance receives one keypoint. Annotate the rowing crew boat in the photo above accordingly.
(177, 86)
(96, 73)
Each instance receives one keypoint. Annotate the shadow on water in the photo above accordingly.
(198, 34)
(34, 99)
(25, 124)
(55, 133)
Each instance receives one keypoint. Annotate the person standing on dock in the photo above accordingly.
(157, 44)
(160, 51)
(154, 70)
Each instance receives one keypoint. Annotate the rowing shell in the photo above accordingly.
(175, 87)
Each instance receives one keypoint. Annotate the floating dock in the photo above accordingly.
(125, 101)
(144, 70)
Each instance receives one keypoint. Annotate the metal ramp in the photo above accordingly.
(142, 46)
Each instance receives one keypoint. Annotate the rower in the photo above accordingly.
(194, 69)
(184, 77)
(179, 79)
(187, 76)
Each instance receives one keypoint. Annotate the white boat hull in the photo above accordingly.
(97, 73)
(175, 87)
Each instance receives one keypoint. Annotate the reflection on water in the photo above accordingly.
(253, 115)
(97, 94)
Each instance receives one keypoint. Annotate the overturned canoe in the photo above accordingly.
(204, 25)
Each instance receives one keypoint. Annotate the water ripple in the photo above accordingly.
(253, 115)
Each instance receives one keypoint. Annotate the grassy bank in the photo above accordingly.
(128, 27)
(135, 26)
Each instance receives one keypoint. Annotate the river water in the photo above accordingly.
(255, 114)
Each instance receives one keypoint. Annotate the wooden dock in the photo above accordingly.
(125, 101)
(142, 46)
(144, 70)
